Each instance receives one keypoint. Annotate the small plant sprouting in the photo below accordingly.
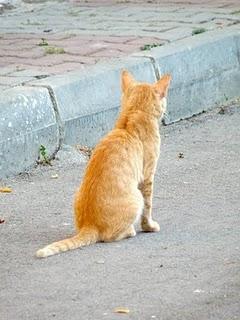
(236, 12)
(43, 43)
(223, 108)
(50, 49)
(226, 97)
(54, 50)
(43, 158)
(150, 46)
(198, 31)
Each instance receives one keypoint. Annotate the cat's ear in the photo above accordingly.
(127, 80)
(162, 85)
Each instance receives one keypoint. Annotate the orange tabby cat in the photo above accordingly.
(118, 184)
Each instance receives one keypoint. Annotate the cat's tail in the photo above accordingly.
(85, 237)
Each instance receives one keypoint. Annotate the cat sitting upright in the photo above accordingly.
(118, 184)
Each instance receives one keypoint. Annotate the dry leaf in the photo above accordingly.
(121, 310)
(5, 190)
(87, 150)
(222, 110)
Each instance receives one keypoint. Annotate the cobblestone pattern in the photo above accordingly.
(46, 38)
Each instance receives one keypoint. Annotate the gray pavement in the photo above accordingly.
(43, 38)
(190, 270)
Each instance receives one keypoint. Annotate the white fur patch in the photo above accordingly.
(139, 213)
(164, 104)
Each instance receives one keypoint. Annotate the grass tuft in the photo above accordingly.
(150, 46)
(236, 12)
(43, 43)
(43, 156)
(54, 50)
(198, 31)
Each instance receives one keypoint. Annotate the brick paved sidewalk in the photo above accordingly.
(46, 38)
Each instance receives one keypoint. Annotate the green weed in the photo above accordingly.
(54, 50)
(43, 155)
(43, 43)
(198, 31)
(236, 12)
(226, 97)
(150, 46)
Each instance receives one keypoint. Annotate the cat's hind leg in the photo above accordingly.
(129, 233)
(121, 225)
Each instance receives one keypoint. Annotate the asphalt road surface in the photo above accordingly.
(190, 270)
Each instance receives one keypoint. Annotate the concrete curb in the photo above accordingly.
(205, 71)
(27, 120)
(88, 101)
(81, 107)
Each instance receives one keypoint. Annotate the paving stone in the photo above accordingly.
(112, 39)
(47, 60)
(13, 81)
(9, 61)
(32, 53)
(26, 73)
(92, 31)
(87, 50)
(176, 34)
(111, 53)
(146, 40)
(63, 67)
(6, 70)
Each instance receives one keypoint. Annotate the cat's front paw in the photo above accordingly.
(150, 226)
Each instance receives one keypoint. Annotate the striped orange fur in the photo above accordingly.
(118, 184)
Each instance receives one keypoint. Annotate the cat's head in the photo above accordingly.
(150, 98)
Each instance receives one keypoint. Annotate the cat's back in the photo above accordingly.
(117, 151)
(114, 168)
